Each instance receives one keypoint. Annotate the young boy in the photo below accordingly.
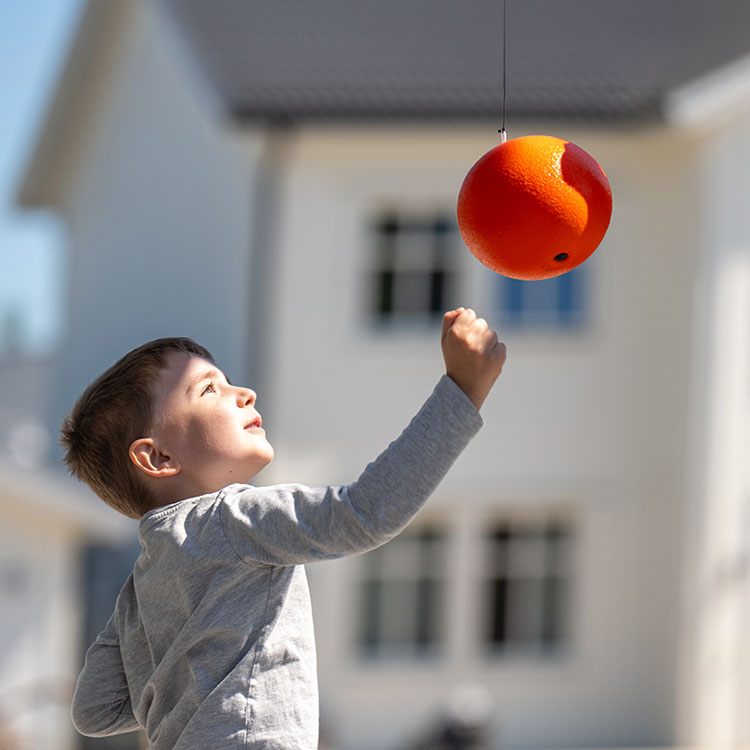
(211, 642)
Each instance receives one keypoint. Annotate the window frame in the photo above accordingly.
(558, 573)
(559, 304)
(430, 581)
(390, 269)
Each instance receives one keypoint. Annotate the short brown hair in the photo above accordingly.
(115, 410)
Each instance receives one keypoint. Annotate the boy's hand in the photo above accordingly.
(473, 355)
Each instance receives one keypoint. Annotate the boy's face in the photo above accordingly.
(207, 425)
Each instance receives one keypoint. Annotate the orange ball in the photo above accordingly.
(534, 207)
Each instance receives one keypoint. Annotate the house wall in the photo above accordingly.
(158, 211)
(46, 525)
(615, 426)
(590, 423)
(716, 604)
(38, 627)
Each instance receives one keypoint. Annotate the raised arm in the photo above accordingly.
(292, 524)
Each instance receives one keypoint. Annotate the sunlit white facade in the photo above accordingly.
(627, 430)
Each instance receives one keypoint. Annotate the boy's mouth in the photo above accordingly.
(255, 424)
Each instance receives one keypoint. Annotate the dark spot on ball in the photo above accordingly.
(561, 257)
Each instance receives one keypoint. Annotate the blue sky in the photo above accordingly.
(34, 36)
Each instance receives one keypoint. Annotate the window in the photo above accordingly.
(412, 275)
(529, 586)
(402, 596)
(104, 570)
(560, 302)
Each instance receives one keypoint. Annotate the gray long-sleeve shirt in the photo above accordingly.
(211, 643)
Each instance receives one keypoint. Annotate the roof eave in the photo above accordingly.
(82, 72)
(712, 100)
(648, 115)
(43, 492)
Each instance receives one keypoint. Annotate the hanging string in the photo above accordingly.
(503, 134)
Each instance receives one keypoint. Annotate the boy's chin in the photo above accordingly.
(260, 464)
(267, 457)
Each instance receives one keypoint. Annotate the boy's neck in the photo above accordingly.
(169, 491)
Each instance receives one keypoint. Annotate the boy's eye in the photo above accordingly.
(208, 389)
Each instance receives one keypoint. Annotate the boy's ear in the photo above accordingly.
(145, 454)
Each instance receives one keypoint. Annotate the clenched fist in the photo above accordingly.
(473, 355)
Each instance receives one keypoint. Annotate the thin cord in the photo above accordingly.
(503, 134)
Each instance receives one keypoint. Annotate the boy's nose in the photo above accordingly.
(246, 397)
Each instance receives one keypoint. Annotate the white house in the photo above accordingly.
(278, 181)
(46, 525)
(49, 527)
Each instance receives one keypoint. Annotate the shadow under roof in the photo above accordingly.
(600, 60)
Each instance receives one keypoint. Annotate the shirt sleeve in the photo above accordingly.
(101, 702)
(293, 524)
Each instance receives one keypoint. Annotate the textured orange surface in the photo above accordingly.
(534, 207)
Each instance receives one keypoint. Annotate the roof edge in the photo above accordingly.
(708, 101)
(42, 490)
(82, 71)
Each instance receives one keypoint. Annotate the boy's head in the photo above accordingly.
(163, 423)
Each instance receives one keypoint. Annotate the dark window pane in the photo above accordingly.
(437, 292)
(370, 628)
(548, 303)
(427, 613)
(385, 292)
(498, 594)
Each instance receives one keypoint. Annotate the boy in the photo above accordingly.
(211, 642)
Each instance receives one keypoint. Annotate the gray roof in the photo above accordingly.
(598, 60)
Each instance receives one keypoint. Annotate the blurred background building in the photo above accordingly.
(278, 181)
